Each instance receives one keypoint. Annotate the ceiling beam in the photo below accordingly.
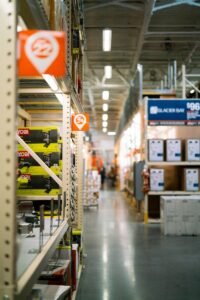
(130, 6)
(105, 4)
(171, 33)
(122, 77)
(175, 3)
(146, 19)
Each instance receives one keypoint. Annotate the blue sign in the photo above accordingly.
(174, 112)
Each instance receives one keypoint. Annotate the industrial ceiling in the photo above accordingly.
(160, 35)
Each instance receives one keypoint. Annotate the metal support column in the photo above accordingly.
(8, 249)
(183, 82)
(66, 175)
(79, 171)
(69, 34)
(146, 159)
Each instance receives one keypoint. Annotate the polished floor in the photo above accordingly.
(127, 260)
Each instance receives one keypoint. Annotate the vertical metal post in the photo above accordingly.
(146, 159)
(183, 82)
(172, 77)
(8, 148)
(79, 171)
(165, 81)
(69, 34)
(175, 75)
(66, 175)
(169, 76)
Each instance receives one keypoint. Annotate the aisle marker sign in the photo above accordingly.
(41, 52)
(80, 122)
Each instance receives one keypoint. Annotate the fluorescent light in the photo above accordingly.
(105, 107)
(104, 124)
(108, 72)
(105, 117)
(104, 129)
(107, 36)
(105, 95)
(51, 81)
(111, 133)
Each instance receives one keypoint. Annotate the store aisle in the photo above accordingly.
(127, 260)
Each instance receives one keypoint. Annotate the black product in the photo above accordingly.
(39, 182)
(33, 136)
(50, 159)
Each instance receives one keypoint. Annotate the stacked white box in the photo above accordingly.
(189, 217)
(156, 150)
(192, 179)
(180, 215)
(173, 151)
(156, 179)
(193, 150)
(172, 217)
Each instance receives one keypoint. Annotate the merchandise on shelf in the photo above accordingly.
(49, 155)
(193, 150)
(173, 150)
(156, 179)
(92, 186)
(191, 179)
(156, 150)
(33, 135)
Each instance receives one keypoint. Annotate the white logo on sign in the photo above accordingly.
(154, 110)
(41, 49)
(80, 121)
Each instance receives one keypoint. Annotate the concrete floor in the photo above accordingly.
(127, 260)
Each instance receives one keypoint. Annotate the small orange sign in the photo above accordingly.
(80, 122)
(41, 52)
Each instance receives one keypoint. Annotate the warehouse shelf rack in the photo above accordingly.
(12, 287)
(161, 164)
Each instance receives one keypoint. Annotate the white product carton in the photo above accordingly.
(189, 217)
(156, 179)
(173, 152)
(193, 150)
(180, 215)
(192, 180)
(156, 150)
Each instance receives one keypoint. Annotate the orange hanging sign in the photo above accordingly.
(41, 52)
(80, 122)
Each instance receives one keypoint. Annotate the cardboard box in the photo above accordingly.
(173, 151)
(191, 180)
(180, 215)
(156, 179)
(193, 150)
(156, 150)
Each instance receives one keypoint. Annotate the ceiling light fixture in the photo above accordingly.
(107, 37)
(105, 95)
(105, 107)
(105, 117)
(111, 133)
(104, 124)
(104, 129)
(108, 72)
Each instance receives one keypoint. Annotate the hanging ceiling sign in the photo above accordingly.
(41, 52)
(80, 122)
(174, 112)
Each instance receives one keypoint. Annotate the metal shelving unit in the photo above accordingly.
(162, 164)
(12, 287)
